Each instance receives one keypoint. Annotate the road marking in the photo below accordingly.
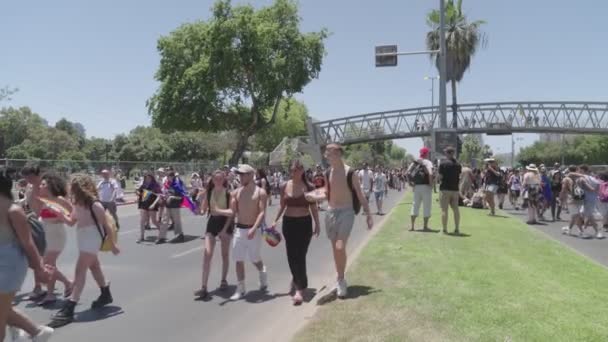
(127, 231)
(179, 255)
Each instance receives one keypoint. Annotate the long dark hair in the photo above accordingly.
(153, 185)
(262, 175)
(55, 184)
(6, 183)
(211, 186)
(296, 163)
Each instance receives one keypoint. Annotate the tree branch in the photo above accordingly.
(275, 110)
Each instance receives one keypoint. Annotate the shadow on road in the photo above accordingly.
(92, 315)
(354, 292)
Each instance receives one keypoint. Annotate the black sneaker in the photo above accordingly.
(178, 239)
(104, 298)
(202, 293)
(160, 241)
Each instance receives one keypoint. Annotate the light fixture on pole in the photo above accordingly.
(432, 78)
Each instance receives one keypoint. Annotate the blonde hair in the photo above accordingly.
(83, 190)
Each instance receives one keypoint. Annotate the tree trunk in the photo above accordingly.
(241, 146)
(454, 106)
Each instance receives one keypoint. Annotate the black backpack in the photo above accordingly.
(418, 174)
(349, 181)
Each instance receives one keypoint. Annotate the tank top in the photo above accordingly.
(219, 199)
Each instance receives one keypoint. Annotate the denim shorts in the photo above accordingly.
(13, 268)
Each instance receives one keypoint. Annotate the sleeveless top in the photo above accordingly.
(219, 200)
(7, 234)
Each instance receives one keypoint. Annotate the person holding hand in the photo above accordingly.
(298, 215)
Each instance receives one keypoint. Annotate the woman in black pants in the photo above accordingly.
(297, 226)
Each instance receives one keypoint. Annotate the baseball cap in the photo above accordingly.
(424, 151)
(245, 169)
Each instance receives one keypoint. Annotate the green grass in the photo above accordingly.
(505, 282)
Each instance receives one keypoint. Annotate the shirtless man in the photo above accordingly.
(249, 207)
(341, 213)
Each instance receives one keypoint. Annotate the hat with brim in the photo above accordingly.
(489, 160)
(160, 170)
(245, 169)
(532, 167)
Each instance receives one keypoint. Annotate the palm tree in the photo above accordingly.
(462, 40)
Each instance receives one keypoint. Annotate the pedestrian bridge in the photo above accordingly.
(490, 118)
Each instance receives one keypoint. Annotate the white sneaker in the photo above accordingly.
(342, 288)
(263, 280)
(600, 235)
(566, 230)
(240, 292)
(17, 334)
(44, 334)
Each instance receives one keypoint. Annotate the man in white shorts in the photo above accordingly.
(249, 207)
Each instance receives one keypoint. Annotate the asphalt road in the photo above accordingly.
(589, 246)
(153, 289)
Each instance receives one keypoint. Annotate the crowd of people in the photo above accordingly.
(575, 190)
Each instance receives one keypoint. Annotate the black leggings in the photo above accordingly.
(297, 232)
(555, 206)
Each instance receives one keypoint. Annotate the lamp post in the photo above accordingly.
(432, 78)
(443, 118)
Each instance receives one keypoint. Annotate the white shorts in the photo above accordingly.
(244, 249)
(55, 236)
(89, 239)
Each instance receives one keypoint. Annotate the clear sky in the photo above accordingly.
(94, 61)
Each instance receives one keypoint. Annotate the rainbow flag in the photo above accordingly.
(178, 186)
(55, 206)
(146, 194)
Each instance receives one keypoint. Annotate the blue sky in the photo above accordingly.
(94, 61)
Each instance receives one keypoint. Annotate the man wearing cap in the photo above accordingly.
(420, 175)
(249, 207)
(108, 189)
(449, 177)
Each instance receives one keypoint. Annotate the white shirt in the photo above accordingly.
(106, 189)
(379, 182)
(366, 179)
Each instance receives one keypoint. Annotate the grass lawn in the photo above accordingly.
(503, 282)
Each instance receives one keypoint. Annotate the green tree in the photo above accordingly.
(74, 129)
(17, 125)
(227, 72)
(290, 122)
(462, 41)
(95, 149)
(472, 150)
(145, 144)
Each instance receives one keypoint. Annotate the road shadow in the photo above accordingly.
(256, 297)
(55, 305)
(354, 292)
(93, 315)
(20, 298)
(224, 294)
(309, 295)
(452, 234)
(187, 238)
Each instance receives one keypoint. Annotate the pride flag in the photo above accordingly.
(178, 186)
(55, 206)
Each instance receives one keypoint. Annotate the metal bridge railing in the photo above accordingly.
(503, 117)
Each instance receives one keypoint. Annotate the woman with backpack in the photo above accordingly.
(17, 249)
(216, 204)
(92, 228)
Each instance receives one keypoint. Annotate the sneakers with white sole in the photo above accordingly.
(44, 334)
(342, 288)
(263, 279)
(599, 235)
(566, 230)
(239, 293)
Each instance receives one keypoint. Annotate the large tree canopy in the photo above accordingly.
(227, 72)
(290, 122)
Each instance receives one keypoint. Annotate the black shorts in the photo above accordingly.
(215, 224)
(515, 193)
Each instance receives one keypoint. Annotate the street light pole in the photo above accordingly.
(443, 119)
(432, 78)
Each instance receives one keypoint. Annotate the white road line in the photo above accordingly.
(127, 232)
(179, 255)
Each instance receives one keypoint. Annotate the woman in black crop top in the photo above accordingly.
(297, 226)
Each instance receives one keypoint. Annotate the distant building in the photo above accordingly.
(555, 137)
